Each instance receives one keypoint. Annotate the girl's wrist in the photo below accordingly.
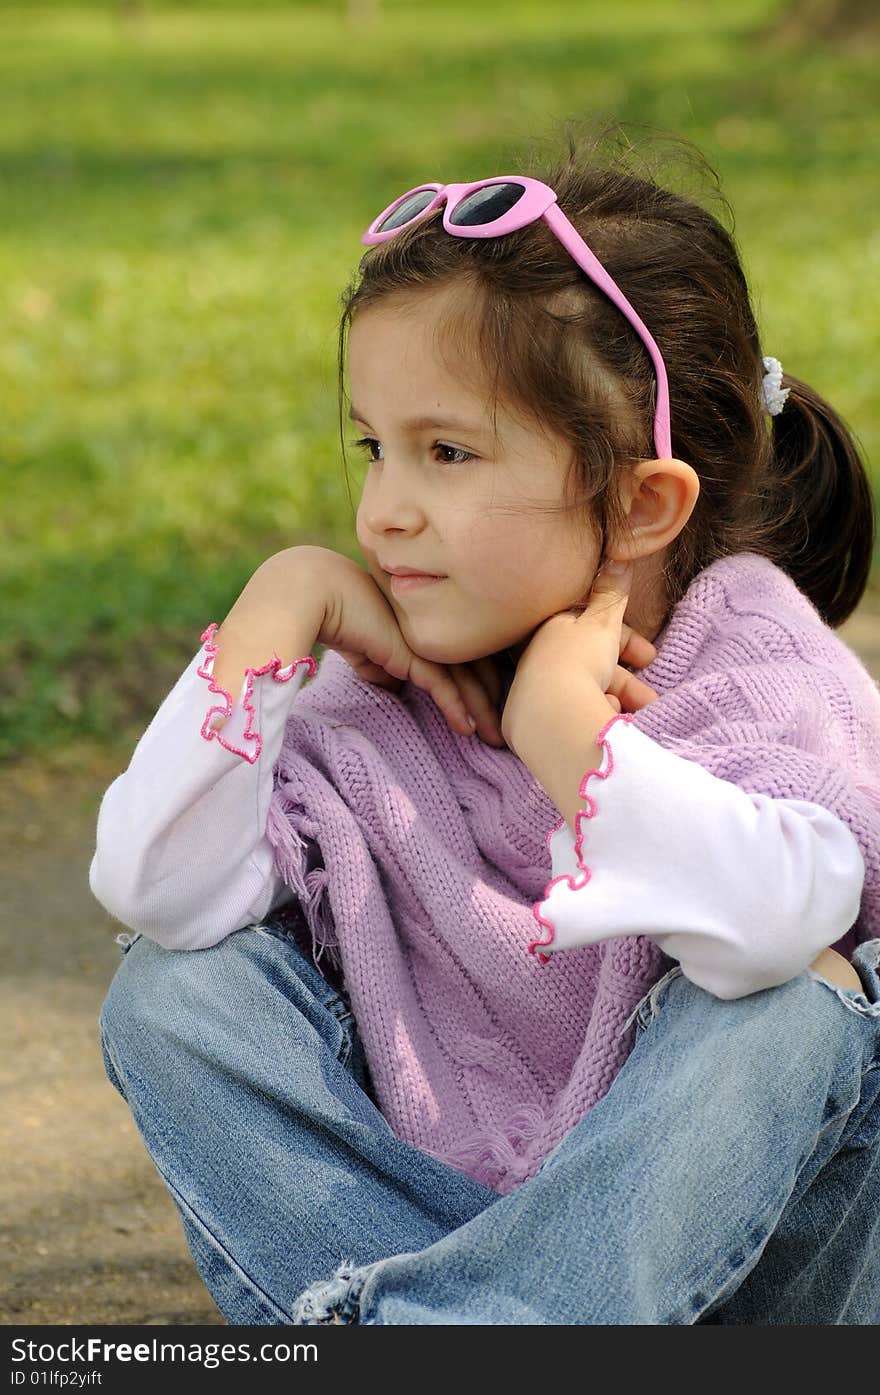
(560, 750)
(236, 654)
(560, 715)
(279, 614)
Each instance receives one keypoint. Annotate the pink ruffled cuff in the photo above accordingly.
(576, 883)
(280, 674)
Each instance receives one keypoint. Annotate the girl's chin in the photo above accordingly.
(424, 639)
(440, 653)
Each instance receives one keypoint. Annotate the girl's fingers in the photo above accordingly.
(479, 702)
(456, 690)
(434, 678)
(636, 650)
(631, 692)
(437, 680)
(489, 674)
(833, 966)
(370, 672)
(607, 605)
(609, 595)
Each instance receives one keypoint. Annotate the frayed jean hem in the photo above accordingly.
(335, 1300)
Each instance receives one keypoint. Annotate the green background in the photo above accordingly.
(183, 193)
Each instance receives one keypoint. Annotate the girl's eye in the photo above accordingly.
(456, 450)
(367, 442)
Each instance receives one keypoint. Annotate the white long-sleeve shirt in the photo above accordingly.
(744, 890)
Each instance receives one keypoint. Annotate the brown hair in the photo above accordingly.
(792, 487)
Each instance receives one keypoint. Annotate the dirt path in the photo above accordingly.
(88, 1231)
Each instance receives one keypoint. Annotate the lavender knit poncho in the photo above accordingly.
(434, 850)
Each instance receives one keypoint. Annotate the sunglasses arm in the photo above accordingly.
(589, 263)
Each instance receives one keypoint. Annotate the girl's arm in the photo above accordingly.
(181, 853)
(744, 890)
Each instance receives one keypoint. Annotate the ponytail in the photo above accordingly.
(820, 504)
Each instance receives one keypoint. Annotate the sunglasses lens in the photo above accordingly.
(406, 210)
(487, 204)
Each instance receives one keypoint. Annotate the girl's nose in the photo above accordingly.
(389, 502)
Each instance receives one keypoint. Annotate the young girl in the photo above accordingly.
(596, 1035)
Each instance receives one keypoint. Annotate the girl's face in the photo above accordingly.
(442, 495)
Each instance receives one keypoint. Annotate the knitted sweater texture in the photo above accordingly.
(434, 852)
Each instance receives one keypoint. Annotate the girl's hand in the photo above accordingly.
(361, 626)
(832, 966)
(308, 595)
(578, 652)
(482, 684)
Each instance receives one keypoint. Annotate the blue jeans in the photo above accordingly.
(731, 1174)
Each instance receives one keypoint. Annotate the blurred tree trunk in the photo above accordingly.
(829, 19)
(132, 14)
(361, 13)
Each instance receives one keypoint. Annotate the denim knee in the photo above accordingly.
(163, 1001)
(144, 981)
(136, 1003)
(824, 1029)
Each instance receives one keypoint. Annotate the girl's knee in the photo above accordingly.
(163, 1001)
(173, 994)
(126, 991)
(154, 987)
(801, 1020)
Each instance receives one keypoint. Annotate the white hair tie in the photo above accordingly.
(774, 393)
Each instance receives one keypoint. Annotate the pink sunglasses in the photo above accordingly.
(493, 207)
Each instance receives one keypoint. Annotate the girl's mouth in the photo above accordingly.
(402, 584)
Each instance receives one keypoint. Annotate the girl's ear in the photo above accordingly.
(659, 497)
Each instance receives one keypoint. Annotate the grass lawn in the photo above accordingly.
(183, 197)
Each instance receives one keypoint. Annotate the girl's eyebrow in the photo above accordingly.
(426, 423)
